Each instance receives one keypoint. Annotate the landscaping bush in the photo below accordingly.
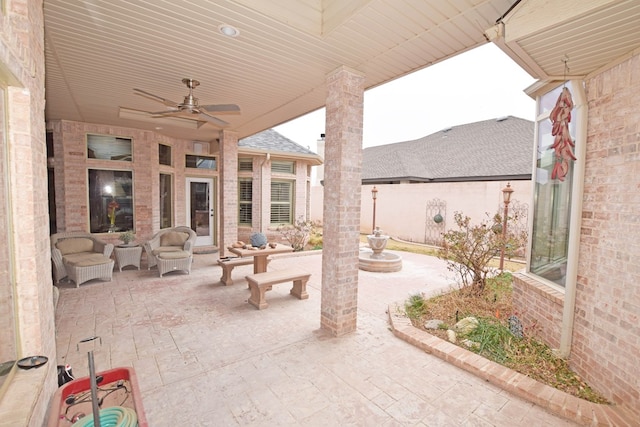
(469, 248)
(298, 234)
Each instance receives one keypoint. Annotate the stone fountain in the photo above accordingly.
(377, 260)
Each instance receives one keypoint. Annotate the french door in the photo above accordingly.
(201, 209)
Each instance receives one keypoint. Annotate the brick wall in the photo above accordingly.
(606, 340)
(25, 260)
(606, 331)
(262, 199)
(539, 307)
(71, 165)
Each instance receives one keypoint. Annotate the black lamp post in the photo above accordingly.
(506, 193)
(374, 195)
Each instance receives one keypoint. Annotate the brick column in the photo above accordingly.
(341, 222)
(228, 209)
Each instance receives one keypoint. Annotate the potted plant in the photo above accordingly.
(127, 237)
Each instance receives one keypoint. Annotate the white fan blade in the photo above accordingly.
(221, 108)
(164, 113)
(214, 120)
(166, 102)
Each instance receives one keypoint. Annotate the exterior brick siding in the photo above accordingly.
(539, 307)
(606, 331)
(25, 266)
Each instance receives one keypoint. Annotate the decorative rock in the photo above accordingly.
(451, 336)
(466, 325)
(515, 326)
(433, 324)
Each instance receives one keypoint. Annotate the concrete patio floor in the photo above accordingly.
(205, 357)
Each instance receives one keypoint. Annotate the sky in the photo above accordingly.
(481, 84)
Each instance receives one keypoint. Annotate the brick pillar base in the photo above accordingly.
(341, 220)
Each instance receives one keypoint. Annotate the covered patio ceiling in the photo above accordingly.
(275, 69)
(97, 52)
(559, 40)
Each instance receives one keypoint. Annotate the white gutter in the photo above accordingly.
(314, 159)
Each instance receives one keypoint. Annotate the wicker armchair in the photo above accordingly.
(171, 249)
(80, 257)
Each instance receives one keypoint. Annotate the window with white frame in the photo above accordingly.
(245, 164)
(283, 167)
(281, 202)
(245, 201)
(553, 197)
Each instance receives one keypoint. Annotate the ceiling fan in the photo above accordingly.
(190, 108)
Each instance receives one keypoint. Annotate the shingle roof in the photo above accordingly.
(490, 149)
(271, 141)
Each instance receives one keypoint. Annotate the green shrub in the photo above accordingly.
(415, 307)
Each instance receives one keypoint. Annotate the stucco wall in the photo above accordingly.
(401, 209)
(606, 339)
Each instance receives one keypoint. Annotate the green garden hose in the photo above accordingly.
(113, 416)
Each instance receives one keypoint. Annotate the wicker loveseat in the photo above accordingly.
(171, 249)
(80, 257)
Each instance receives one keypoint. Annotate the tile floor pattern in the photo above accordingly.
(205, 357)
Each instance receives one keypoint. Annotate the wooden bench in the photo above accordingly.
(228, 264)
(261, 282)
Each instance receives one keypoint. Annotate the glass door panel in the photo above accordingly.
(200, 209)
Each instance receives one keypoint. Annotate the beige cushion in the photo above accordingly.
(75, 245)
(163, 249)
(173, 238)
(174, 255)
(86, 259)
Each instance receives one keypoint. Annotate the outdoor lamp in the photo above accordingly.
(374, 195)
(506, 193)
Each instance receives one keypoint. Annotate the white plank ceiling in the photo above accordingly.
(97, 52)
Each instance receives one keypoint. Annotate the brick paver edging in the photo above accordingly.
(555, 401)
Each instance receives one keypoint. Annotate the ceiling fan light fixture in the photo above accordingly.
(190, 107)
(228, 30)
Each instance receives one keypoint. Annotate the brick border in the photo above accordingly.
(553, 400)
